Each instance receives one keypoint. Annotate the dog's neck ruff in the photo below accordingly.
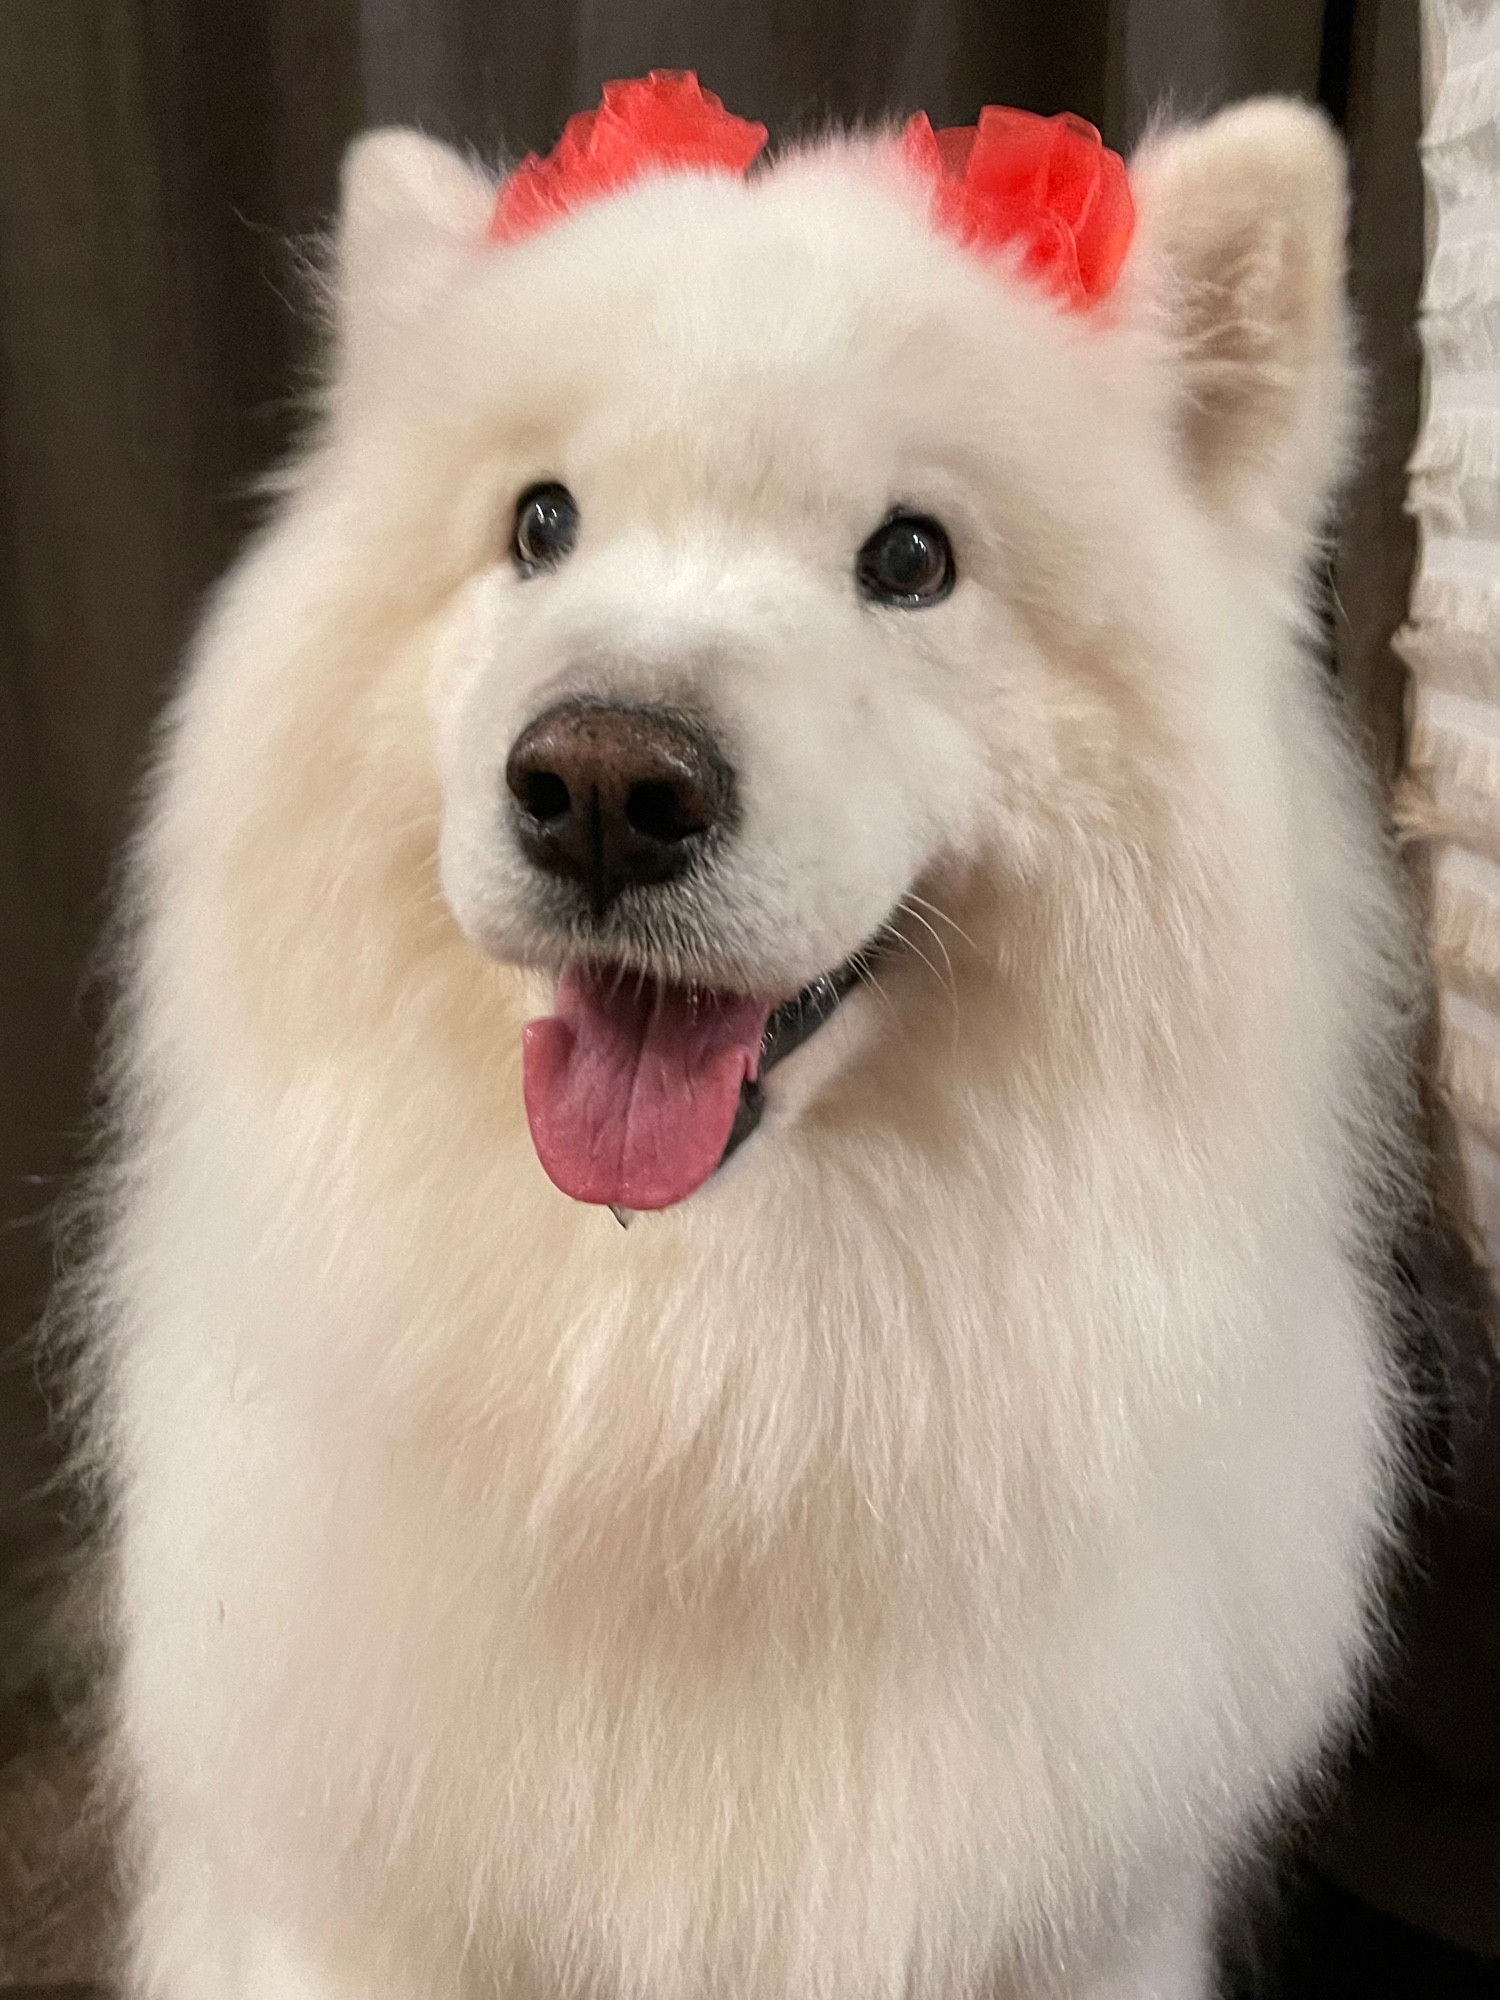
(1046, 192)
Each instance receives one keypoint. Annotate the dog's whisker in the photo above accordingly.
(951, 982)
(917, 917)
(916, 902)
(869, 979)
(917, 951)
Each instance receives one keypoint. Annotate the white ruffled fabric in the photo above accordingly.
(1451, 641)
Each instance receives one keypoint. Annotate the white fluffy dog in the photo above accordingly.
(865, 711)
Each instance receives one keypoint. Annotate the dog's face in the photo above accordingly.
(707, 714)
(814, 564)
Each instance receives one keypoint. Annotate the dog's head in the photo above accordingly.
(826, 590)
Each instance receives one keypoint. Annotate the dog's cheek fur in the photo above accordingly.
(927, 1554)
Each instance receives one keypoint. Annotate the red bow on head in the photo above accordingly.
(1046, 188)
(1049, 188)
(662, 121)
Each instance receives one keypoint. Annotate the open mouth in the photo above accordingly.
(637, 1089)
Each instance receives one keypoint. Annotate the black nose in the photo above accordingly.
(616, 797)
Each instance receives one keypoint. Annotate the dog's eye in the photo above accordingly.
(546, 527)
(907, 561)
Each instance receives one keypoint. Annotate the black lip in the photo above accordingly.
(794, 1022)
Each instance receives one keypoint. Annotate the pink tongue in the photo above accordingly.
(631, 1087)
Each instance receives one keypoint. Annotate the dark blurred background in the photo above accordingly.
(162, 163)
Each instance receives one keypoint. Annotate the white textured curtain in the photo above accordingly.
(1452, 639)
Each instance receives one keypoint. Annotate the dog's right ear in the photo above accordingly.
(413, 214)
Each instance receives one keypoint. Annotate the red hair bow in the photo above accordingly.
(661, 121)
(1047, 186)
(1050, 187)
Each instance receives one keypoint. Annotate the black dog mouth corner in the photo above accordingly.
(794, 1022)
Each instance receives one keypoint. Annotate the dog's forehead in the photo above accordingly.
(811, 299)
(717, 270)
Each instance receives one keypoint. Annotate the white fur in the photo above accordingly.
(922, 1562)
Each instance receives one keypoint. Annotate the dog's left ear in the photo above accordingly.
(1240, 255)
(413, 213)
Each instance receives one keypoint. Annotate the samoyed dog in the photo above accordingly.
(756, 722)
